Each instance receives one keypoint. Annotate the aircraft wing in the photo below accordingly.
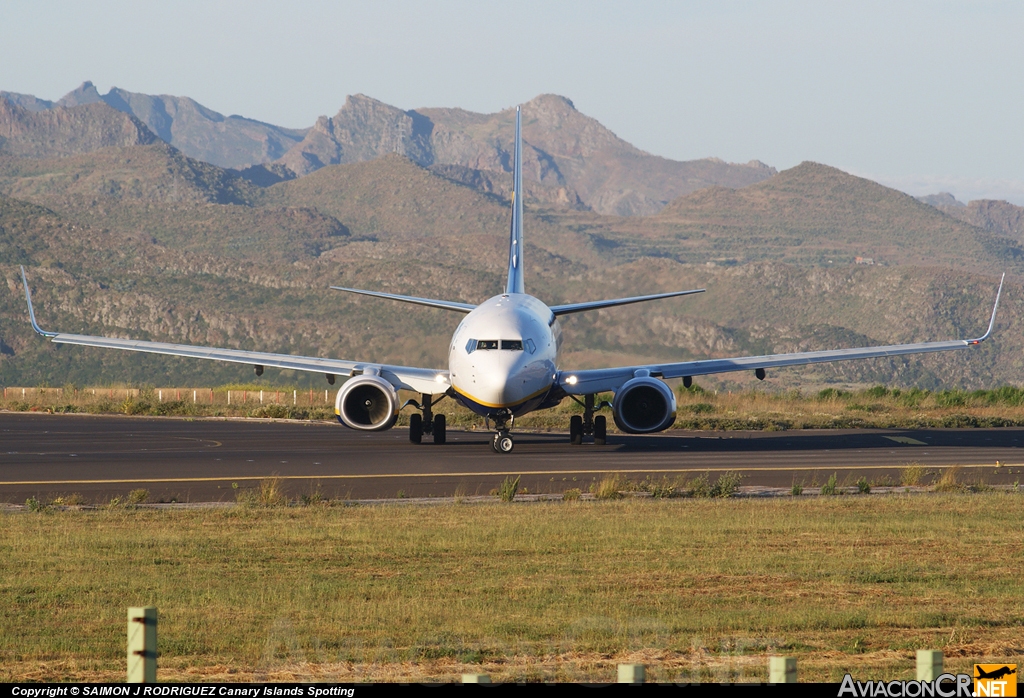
(421, 380)
(611, 379)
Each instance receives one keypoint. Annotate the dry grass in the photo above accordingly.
(876, 407)
(912, 474)
(695, 588)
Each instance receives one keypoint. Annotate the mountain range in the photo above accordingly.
(573, 158)
(126, 234)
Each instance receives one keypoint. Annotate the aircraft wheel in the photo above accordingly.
(503, 443)
(416, 428)
(439, 429)
(600, 430)
(576, 430)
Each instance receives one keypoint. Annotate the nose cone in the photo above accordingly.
(495, 375)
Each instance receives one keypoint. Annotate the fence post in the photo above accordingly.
(929, 664)
(142, 644)
(295, 397)
(782, 670)
(631, 673)
(193, 397)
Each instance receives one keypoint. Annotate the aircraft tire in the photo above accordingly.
(600, 430)
(416, 428)
(504, 443)
(440, 429)
(576, 430)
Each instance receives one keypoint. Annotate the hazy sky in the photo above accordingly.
(923, 96)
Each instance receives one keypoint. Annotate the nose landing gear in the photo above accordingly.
(502, 442)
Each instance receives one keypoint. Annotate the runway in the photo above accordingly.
(100, 457)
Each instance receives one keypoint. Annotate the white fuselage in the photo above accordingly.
(504, 355)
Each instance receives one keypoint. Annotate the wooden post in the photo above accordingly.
(782, 670)
(631, 673)
(929, 665)
(142, 644)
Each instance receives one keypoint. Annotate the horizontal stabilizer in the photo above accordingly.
(596, 305)
(445, 305)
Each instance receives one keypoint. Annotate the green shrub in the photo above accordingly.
(832, 394)
(830, 487)
(878, 391)
(572, 495)
(953, 398)
(700, 486)
(862, 485)
(508, 488)
(728, 484)
(797, 489)
(137, 496)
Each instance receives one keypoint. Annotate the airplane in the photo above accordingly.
(503, 361)
(995, 673)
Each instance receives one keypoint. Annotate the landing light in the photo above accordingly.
(571, 380)
(439, 378)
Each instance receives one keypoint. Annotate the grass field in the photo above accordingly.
(877, 407)
(697, 589)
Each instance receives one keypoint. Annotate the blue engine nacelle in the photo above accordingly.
(644, 405)
(367, 403)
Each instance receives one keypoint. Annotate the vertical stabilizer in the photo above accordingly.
(515, 252)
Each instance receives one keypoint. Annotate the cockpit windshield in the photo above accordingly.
(493, 344)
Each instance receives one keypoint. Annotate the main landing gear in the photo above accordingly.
(587, 424)
(502, 442)
(426, 422)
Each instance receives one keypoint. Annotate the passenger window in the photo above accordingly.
(486, 344)
(530, 346)
(512, 344)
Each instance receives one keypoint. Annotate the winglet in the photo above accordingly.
(515, 251)
(992, 322)
(31, 313)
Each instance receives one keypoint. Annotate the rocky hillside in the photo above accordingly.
(570, 160)
(817, 214)
(145, 242)
(997, 216)
(564, 150)
(152, 173)
(61, 131)
(197, 131)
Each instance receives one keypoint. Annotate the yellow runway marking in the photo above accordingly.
(496, 473)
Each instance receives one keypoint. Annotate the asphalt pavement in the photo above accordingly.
(99, 457)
